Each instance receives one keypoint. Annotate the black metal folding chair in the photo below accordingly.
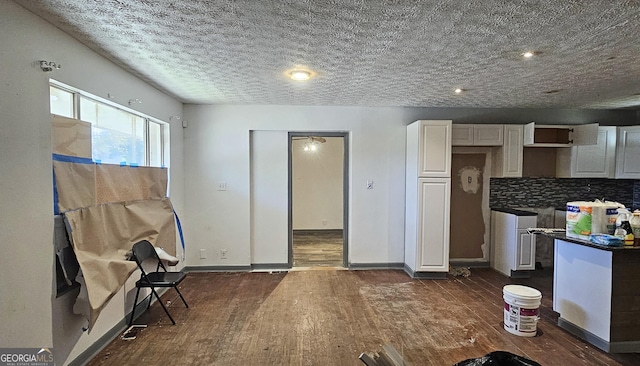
(142, 251)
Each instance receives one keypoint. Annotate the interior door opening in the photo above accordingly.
(470, 213)
(317, 200)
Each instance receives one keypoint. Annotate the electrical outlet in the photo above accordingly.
(324, 222)
(222, 186)
(223, 254)
(203, 254)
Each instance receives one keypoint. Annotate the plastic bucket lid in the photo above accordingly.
(523, 292)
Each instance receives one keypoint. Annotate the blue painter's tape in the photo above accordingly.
(56, 209)
(71, 159)
(180, 232)
(64, 159)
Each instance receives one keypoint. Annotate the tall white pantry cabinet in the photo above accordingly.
(427, 198)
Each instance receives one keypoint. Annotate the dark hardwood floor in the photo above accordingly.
(317, 248)
(329, 317)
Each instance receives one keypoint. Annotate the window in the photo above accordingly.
(118, 135)
(61, 102)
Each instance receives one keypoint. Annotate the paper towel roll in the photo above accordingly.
(585, 218)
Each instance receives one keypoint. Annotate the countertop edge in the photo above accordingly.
(587, 243)
(513, 211)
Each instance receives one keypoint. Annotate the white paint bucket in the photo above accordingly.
(521, 305)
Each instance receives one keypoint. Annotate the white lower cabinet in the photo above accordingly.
(513, 249)
(526, 251)
(427, 226)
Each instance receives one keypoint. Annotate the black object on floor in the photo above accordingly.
(498, 358)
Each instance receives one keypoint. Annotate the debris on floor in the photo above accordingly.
(498, 358)
(387, 356)
(131, 332)
(460, 271)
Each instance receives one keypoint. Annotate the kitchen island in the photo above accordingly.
(596, 291)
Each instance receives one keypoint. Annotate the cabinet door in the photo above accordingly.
(435, 149)
(595, 161)
(488, 135)
(627, 153)
(585, 134)
(526, 252)
(512, 152)
(434, 196)
(462, 135)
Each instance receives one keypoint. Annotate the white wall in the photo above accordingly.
(317, 185)
(269, 197)
(217, 149)
(26, 209)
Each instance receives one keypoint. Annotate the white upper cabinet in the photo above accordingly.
(628, 153)
(477, 135)
(508, 157)
(560, 135)
(434, 148)
(589, 161)
(462, 135)
(488, 135)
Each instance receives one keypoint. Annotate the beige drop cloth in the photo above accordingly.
(103, 234)
(82, 185)
(108, 208)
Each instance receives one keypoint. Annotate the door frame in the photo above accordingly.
(345, 189)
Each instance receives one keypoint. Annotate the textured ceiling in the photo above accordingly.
(369, 53)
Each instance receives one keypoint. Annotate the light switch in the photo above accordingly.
(369, 184)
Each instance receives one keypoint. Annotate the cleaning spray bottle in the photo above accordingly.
(623, 229)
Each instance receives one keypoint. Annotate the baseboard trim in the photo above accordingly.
(425, 275)
(217, 269)
(520, 274)
(610, 347)
(92, 351)
(364, 266)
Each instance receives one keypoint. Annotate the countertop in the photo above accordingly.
(562, 236)
(514, 211)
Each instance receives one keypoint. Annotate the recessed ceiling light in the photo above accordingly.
(300, 75)
(458, 91)
(530, 54)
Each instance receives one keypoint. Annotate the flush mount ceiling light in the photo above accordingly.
(527, 54)
(300, 75)
(459, 91)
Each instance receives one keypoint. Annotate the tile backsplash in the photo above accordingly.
(556, 192)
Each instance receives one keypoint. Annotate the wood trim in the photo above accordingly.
(363, 266)
(425, 275)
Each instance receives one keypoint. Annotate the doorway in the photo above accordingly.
(318, 181)
(470, 213)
